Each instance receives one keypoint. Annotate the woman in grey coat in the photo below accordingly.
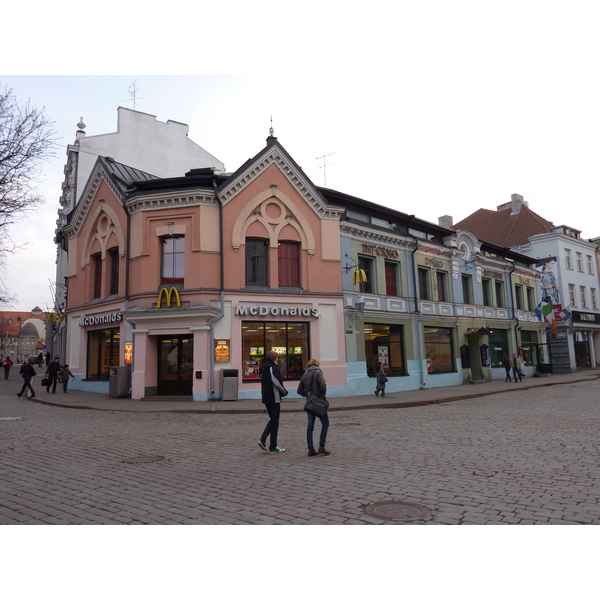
(313, 382)
(381, 381)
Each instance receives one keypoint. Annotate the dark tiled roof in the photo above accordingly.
(502, 227)
(125, 173)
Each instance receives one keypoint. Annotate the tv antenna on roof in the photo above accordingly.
(132, 91)
(325, 165)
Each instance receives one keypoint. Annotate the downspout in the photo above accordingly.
(512, 304)
(417, 311)
(222, 292)
(131, 323)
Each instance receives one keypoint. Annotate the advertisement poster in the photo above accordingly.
(128, 352)
(382, 356)
(222, 350)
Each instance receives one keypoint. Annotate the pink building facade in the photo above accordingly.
(179, 287)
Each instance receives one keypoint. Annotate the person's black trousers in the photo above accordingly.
(272, 427)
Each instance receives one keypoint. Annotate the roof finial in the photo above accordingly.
(271, 131)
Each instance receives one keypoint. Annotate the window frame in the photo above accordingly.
(288, 266)
(583, 296)
(97, 283)
(366, 263)
(391, 269)
(432, 347)
(572, 297)
(590, 264)
(253, 263)
(519, 296)
(500, 294)
(467, 286)
(114, 271)
(174, 279)
(424, 283)
(568, 259)
(486, 291)
(441, 277)
(579, 260)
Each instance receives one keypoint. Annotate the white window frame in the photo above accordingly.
(590, 264)
(593, 297)
(582, 296)
(579, 258)
(572, 297)
(568, 259)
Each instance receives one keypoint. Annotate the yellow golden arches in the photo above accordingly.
(359, 276)
(168, 293)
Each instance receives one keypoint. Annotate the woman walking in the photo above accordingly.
(381, 381)
(507, 369)
(27, 371)
(272, 391)
(313, 382)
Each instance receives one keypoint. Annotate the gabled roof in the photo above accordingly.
(504, 228)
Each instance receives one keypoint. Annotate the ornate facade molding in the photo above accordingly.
(170, 200)
(375, 236)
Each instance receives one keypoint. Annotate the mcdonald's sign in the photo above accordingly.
(168, 293)
(54, 318)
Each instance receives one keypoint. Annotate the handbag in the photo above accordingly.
(45, 382)
(315, 404)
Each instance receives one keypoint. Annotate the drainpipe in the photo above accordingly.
(417, 311)
(512, 304)
(222, 292)
(127, 253)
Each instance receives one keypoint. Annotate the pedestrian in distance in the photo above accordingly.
(7, 364)
(40, 360)
(52, 373)
(27, 372)
(47, 357)
(64, 375)
(507, 367)
(516, 368)
(313, 382)
(272, 391)
(381, 381)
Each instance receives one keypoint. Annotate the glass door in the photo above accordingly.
(175, 365)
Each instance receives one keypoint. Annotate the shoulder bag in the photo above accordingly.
(315, 404)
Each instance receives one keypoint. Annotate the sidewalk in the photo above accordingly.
(89, 400)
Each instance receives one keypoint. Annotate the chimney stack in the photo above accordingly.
(446, 221)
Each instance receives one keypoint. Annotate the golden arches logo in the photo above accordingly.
(168, 293)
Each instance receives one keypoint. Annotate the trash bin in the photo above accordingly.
(229, 384)
(119, 384)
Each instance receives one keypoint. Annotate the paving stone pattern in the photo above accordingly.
(66, 466)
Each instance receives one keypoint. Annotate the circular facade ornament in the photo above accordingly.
(397, 511)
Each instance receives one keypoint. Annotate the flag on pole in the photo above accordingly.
(565, 313)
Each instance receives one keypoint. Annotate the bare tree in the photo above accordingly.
(26, 141)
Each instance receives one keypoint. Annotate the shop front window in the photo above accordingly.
(529, 346)
(384, 344)
(103, 352)
(438, 350)
(498, 347)
(289, 340)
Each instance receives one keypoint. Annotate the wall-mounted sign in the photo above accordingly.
(100, 320)
(585, 317)
(380, 251)
(493, 274)
(128, 353)
(276, 311)
(222, 347)
(168, 293)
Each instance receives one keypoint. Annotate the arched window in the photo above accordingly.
(257, 263)
(289, 264)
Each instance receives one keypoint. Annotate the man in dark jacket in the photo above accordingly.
(27, 371)
(272, 391)
(52, 373)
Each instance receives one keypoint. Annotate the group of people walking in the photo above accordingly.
(515, 365)
(273, 390)
(55, 372)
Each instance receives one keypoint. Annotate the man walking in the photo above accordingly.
(272, 391)
(28, 372)
(52, 373)
(516, 367)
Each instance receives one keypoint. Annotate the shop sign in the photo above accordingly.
(380, 251)
(168, 293)
(283, 311)
(585, 317)
(222, 350)
(493, 274)
(101, 320)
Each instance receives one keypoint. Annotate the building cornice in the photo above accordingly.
(173, 199)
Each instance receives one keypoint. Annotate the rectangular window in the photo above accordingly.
(593, 297)
(366, 264)
(582, 295)
(288, 340)
(519, 296)
(531, 305)
(590, 264)
(391, 279)
(467, 289)
(114, 272)
(528, 342)
(288, 257)
(97, 276)
(423, 275)
(173, 254)
(486, 288)
(103, 352)
(442, 294)
(438, 350)
(568, 259)
(499, 285)
(572, 298)
(498, 341)
(257, 252)
(579, 258)
(384, 344)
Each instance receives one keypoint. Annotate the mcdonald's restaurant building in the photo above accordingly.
(177, 285)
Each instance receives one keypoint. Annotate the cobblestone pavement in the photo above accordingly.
(531, 458)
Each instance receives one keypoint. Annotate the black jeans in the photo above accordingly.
(52, 379)
(273, 425)
(27, 384)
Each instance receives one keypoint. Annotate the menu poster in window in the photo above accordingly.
(382, 356)
(222, 350)
(128, 353)
(250, 369)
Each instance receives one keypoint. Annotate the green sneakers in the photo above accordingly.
(262, 445)
(275, 450)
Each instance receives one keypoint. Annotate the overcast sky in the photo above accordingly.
(429, 108)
